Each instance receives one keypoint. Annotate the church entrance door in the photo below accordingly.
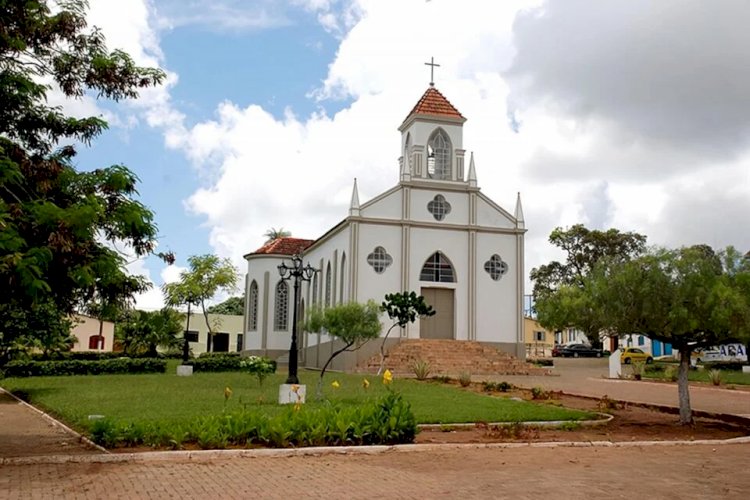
(439, 326)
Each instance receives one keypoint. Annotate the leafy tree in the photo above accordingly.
(207, 275)
(557, 300)
(274, 233)
(42, 328)
(351, 322)
(142, 332)
(684, 297)
(403, 308)
(55, 222)
(233, 305)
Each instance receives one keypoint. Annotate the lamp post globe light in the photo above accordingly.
(299, 273)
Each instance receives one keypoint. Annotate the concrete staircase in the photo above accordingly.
(451, 357)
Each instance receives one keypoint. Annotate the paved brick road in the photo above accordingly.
(677, 472)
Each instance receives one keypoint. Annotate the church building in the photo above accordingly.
(434, 233)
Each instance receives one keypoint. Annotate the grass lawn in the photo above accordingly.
(167, 397)
(727, 376)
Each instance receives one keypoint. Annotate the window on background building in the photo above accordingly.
(641, 340)
(281, 309)
(191, 335)
(96, 342)
(437, 268)
(240, 345)
(252, 320)
(539, 336)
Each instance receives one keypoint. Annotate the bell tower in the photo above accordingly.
(432, 140)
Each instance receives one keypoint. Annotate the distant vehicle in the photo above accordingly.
(630, 354)
(724, 353)
(579, 351)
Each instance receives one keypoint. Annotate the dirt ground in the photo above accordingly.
(630, 423)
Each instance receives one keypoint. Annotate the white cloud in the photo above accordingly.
(625, 117)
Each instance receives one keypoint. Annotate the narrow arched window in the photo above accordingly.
(407, 153)
(437, 268)
(343, 273)
(439, 155)
(328, 284)
(281, 311)
(252, 312)
(315, 289)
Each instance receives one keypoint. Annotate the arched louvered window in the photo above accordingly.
(252, 312)
(439, 155)
(281, 311)
(328, 285)
(343, 273)
(437, 268)
(315, 289)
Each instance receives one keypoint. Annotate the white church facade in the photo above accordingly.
(434, 233)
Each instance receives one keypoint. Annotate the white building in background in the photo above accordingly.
(434, 233)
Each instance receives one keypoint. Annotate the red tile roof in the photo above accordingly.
(284, 246)
(435, 104)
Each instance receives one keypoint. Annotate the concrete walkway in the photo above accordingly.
(587, 377)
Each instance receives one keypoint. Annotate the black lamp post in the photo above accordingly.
(299, 273)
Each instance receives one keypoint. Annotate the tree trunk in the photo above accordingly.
(208, 327)
(382, 349)
(325, 367)
(683, 389)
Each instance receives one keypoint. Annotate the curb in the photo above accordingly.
(211, 455)
(606, 418)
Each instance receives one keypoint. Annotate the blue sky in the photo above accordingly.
(630, 113)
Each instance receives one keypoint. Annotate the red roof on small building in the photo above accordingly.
(284, 246)
(434, 103)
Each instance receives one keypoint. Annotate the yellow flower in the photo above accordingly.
(227, 392)
(365, 383)
(335, 384)
(387, 377)
(297, 405)
(295, 388)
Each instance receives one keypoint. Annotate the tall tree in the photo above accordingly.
(684, 297)
(274, 233)
(55, 221)
(558, 286)
(233, 305)
(207, 275)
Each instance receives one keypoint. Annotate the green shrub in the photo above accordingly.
(259, 366)
(217, 362)
(421, 369)
(539, 393)
(655, 368)
(84, 367)
(671, 373)
(388, 420)
(541, 362)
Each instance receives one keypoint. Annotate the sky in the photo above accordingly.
(630, 114)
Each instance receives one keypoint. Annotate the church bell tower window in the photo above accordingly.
(439, 155)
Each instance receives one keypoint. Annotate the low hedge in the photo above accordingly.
(84, 367)
(724, 365)
(220, 362)
(387, 420)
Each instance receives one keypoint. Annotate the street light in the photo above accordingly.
(299, 273)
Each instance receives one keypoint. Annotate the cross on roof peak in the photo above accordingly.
(432, 70)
